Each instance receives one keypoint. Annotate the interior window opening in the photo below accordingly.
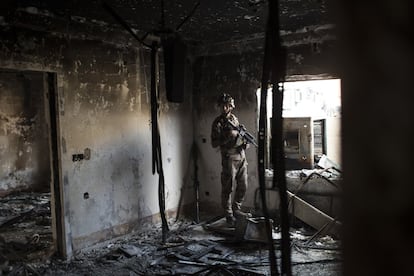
(311, 122)
(312, 142)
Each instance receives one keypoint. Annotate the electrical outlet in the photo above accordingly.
(78, 157)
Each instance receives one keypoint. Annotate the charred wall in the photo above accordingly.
(104, 124)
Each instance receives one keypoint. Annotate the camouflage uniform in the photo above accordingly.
(233, 160)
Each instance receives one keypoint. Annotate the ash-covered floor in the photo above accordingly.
(25, 229)
(208, 248)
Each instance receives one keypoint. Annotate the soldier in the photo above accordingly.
(233, 158)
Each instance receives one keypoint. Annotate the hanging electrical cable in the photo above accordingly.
(266, 71)
(156, 139)
(278, 72)
(274, 63)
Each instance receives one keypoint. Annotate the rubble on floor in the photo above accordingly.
(191, 249)
(25, 229)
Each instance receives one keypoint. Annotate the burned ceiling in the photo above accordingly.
(210, 21)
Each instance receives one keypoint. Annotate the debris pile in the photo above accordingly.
(209, 248)
(25, 231)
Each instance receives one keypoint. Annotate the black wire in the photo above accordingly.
(261, 148)
(123, 23)
(188, 16)
(278, 72)
(156, 140)
(162, 15)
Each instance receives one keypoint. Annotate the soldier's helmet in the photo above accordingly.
(226, 99)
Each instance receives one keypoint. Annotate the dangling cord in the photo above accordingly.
(279, 179)
(278, 71)
(156, 140)
(261, 149)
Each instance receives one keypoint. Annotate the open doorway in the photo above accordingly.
(311, 121)
(28, 163)
(312, 143)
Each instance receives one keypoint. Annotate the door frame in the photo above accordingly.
(52, 118)
(51, 108)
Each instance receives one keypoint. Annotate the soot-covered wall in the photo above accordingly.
(103, 92)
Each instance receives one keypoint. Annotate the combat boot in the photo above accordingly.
(231, 220)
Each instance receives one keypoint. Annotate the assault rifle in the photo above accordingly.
(246, 136)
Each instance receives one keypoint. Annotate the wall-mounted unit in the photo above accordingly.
(298, 143)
